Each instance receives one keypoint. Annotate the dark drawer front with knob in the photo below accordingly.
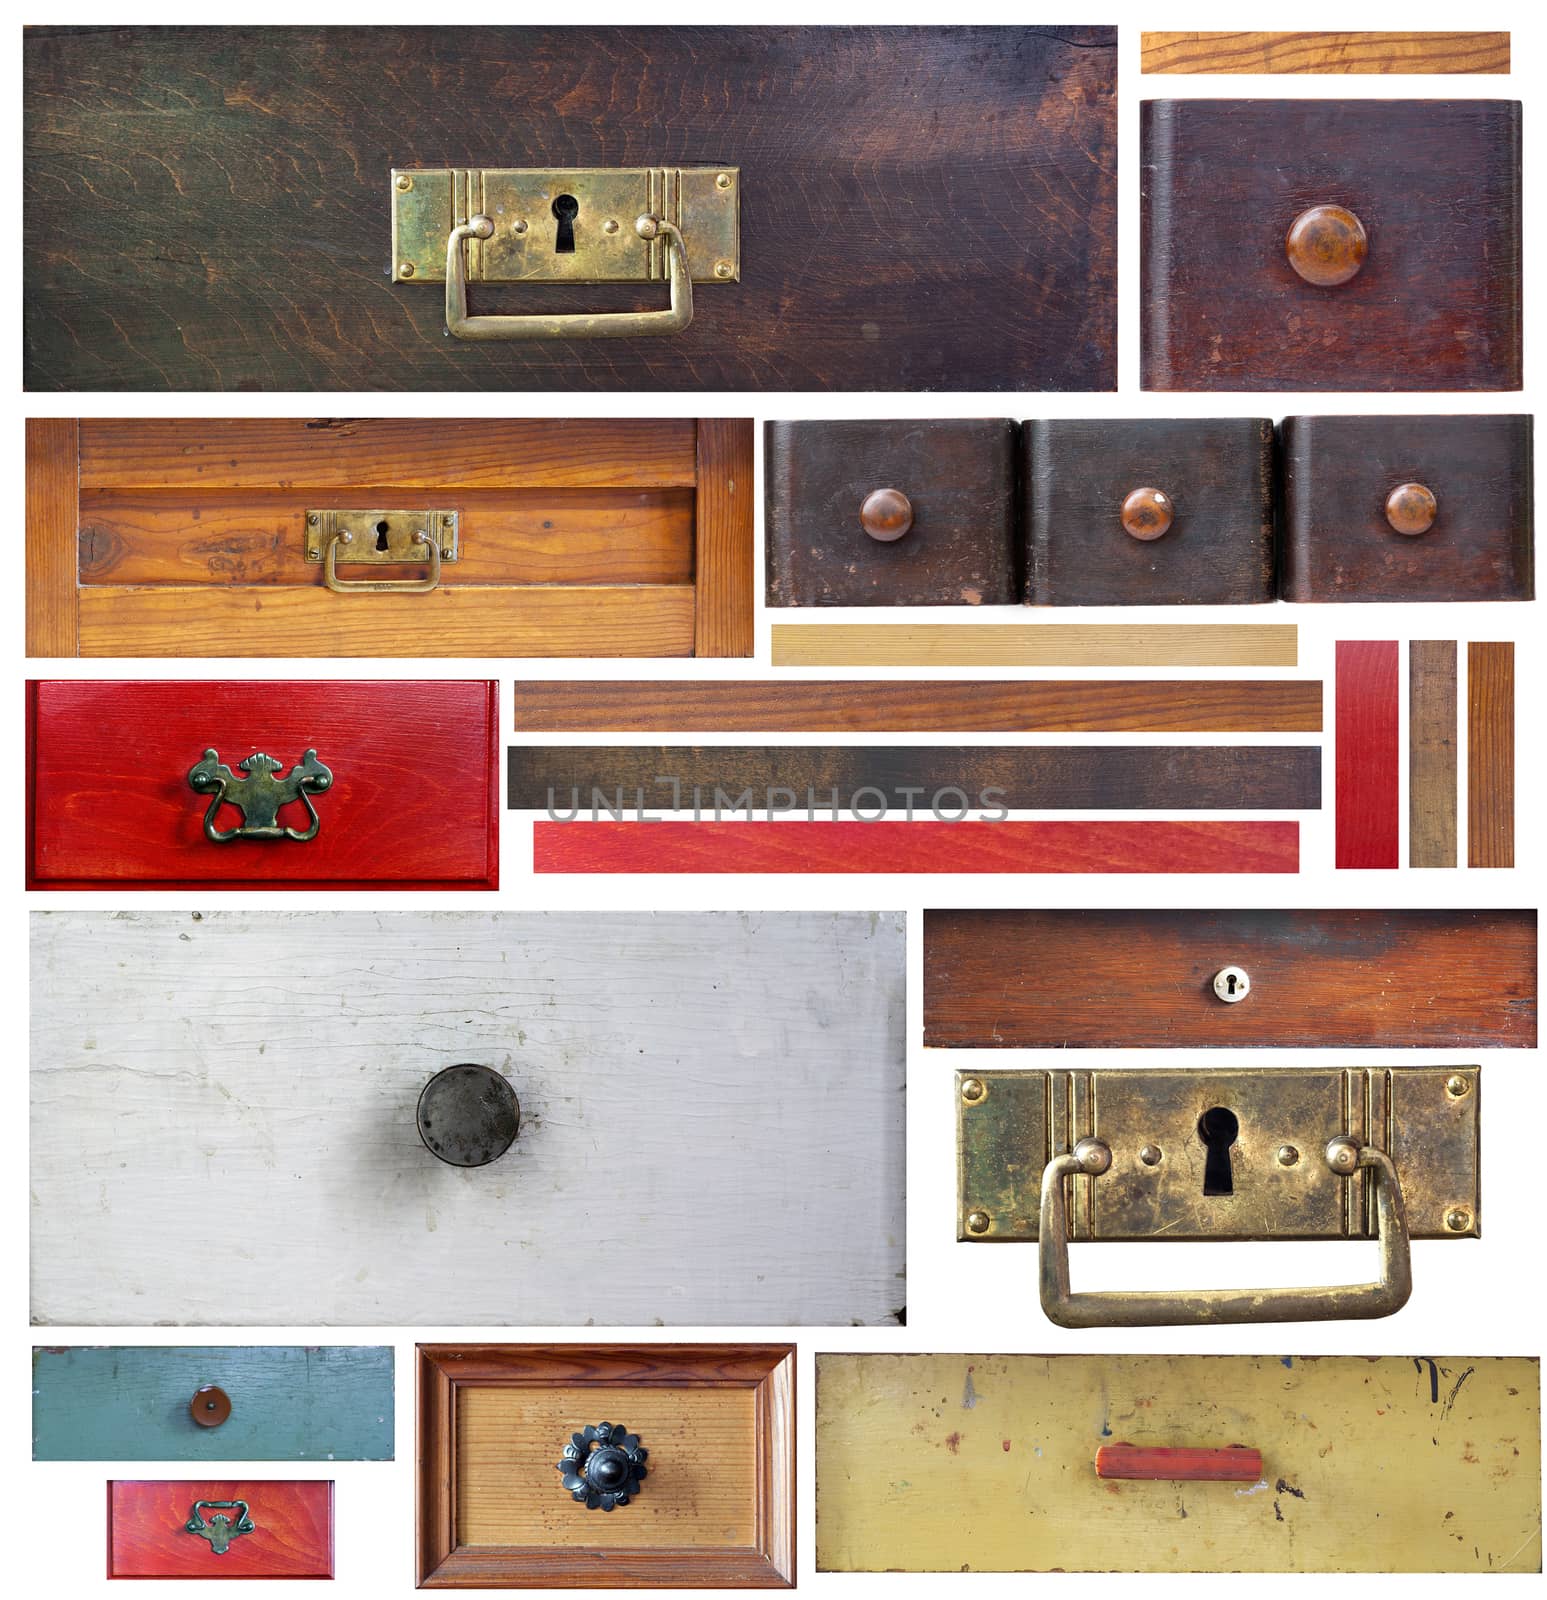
(1407, 508)
(1154, 512)
(1331, 244)
(891, 513)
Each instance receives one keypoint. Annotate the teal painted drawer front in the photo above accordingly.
(287, 1403)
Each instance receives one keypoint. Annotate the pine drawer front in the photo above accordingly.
(1442, 980)
(1408, 508)
(270, 1066)
(257, 1528)
(1368, 1464)
(1417, 201)
(891, 513)
(922, 207)
(212, 1403)
(514, 1488)
(153, 537)
(1149, 512)
(410, 800)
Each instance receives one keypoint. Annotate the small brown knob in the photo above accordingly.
(210, 1406)
(1326, 245)
(1411, 508)
(887, 514)
(1147, 513)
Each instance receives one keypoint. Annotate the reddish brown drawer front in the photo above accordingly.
(1407, 508)
(251, 1529)
(409, 798)
(1127, 979)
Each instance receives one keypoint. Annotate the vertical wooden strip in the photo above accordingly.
(1431, 753)
(1367, 782)
(723, 613)
(52, 507)
(1490, 756)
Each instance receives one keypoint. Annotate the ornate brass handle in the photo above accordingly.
(220, 1530)
(1153, 1308)
(258, 795)
(572, 325)
(379, 585)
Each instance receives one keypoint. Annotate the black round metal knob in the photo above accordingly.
(468, 1115)
(603, 1466)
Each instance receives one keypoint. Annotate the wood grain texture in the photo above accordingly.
(910, 777)
(1337, 542)
(1368, 753)
(916, 847)
(292, 1533)
(1324, 52)
(288, 1403)
(1436, 185)
(1490, 754)
(269, 1063)
(240, 246)
(1134, 979)
(52, 489)
(1178, 1464)
(893, 706)
(414, 801)
(723, 616)
(1038, 644)
(1431, 753)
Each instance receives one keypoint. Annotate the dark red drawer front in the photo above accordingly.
(290, 1533)
(413, 802)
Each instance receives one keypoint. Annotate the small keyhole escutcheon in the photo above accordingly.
(566, 208)
(1232, 984)
(1218, 1128)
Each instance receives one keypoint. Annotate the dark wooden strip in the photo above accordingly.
(911, 778)
(1367, 752)
(921, 706)
(1490, 754)
(1431, 753)
(1144, 979)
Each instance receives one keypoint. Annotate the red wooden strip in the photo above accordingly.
(1233, 1464)
(291, 1537)
(849, 847)
(1367, 753)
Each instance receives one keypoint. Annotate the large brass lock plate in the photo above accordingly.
(567, 224)
(381, 538)
(1218, 1153)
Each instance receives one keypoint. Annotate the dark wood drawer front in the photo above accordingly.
(946, 537)
(1331, 244)
(1407, 508)
(1149, 512)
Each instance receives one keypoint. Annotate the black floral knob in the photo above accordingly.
(602, 1466)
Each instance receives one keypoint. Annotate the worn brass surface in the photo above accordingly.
(220, 1530)
(381, 538)
(259, 795)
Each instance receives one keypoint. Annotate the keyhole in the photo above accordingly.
(566, 208)
(1218, 1128)
(381, 535)
(1230, 982)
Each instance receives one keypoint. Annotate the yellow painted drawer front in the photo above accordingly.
(987, 1463)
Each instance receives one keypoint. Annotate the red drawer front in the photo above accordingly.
(414, 801)
(291, 1535)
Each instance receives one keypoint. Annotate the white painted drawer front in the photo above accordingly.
(223, 1118)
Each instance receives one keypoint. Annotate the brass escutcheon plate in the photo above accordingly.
(382, 537)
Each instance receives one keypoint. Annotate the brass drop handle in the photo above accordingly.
(1157, 1308)
(569, 325)
(220, 1529)
(259, 795)
(422, 585)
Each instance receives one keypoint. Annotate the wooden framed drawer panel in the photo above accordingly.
(212, 1403)
(411, 795)
(252, 1528)
(582, 538)
(1408, 508)
(681, 1466)
(1339, 1463)
(278, 1066)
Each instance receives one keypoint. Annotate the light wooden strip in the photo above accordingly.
(1431, 780)
(1490, 754)
(204, 621)
(51, 498)
(724, 543)
(1036, 644)
(1324, 53)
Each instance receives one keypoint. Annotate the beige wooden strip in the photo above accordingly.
(654, 620)
(1324, 53)
(1035, 644)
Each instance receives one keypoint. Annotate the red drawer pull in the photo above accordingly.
(1234, 1463)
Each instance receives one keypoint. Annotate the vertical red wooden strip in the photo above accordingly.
(1367, 753)
(1490, 756)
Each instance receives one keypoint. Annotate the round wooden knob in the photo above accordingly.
(1147, 513)
(1411, 508)
(1326, 245)
(210, 1406)
(887, 514)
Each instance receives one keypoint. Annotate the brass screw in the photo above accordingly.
(1458, 1219)
(1456, 1086)
(1150, 1155)
(1287, 1155)
(723, 269)
(973, 1089)
(722, 180)
(519, 225)
(977, 1222)
(406, 270)
(610, 225)
(404, 181)
(312, 520)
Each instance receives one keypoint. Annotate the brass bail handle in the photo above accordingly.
(380, 585)
(1156, 1308)
(571, 325)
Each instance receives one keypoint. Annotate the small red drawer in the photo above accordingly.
(225, 1529)
(402, 792)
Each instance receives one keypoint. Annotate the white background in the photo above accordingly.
(1471, 1297)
